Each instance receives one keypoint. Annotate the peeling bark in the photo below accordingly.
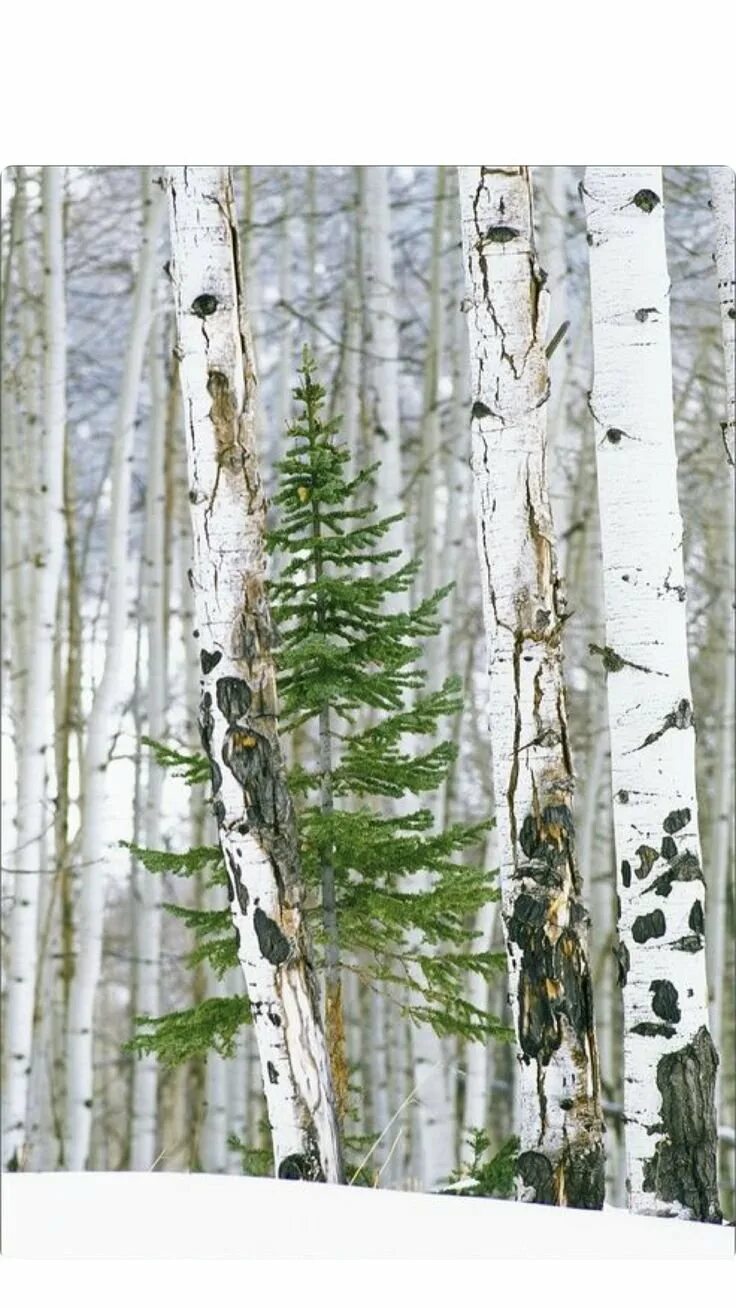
(670, 1147)
(544, 918)
(238, 707)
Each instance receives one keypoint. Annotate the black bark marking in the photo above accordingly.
(208, 660)
(654, 1029)
(238, 889)
(649, 926)
(669, 849)
(215, 776)
(646, 200)
(614, 662)
(547, 842)
(676, 820)
(614, 435)
(206, 723)
(294, 1168)
(536, 1173)
(647, 859)
(623, 961)
(233, 698)
(274, 1018)
(272, 942)
(681, 717)
(696, 920)
(626, 873)
(683, 1168)
(688, 944)
(622, 796)
(665, 1001)
(554, 981)
(273, 1075)
(204, 305)
(302, 1167)
(480, 410)
(501, 235)
(641, 315)
(685, 867)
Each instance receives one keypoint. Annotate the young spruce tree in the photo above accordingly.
(350, 682)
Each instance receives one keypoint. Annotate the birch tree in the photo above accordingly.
(238, 708)
(561, 1160)
(147, 889)
(383, 370)
(723, 200)
(101, 724)
(669, 1057)
(36, 732)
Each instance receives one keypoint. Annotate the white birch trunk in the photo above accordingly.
(286, 340)
(564, 443)
(383, 346)
(238, 715)
(93, 788)
(477, 1069)
(38, 726)
(669, 1058)
(720, 881)
(148, 888)
(723, 200)
(561, 1159)
(237, 1084)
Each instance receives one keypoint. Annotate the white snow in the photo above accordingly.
(175, 1215)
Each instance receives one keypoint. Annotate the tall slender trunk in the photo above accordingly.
(550, 992)
(101, 724)
(148, 888)
(383, 347)
(238, 714)
(475, 1100)
(669, 1057)
(435, 1155)
(284, 405)
(38, 726)
(723, 201)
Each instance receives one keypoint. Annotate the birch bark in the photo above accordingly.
(38, 727)
(723, 199)
(147, 887)
(561, 1160)
(238, 713)
(383, 373)
(669, 1057)
(93, 788)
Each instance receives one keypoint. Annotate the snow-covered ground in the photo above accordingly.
(170, 1215)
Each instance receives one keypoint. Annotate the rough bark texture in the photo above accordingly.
(723, 200)
(238, 692)
(545, 922)
(669, 1057)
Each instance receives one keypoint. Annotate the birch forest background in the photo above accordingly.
(446, 456)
